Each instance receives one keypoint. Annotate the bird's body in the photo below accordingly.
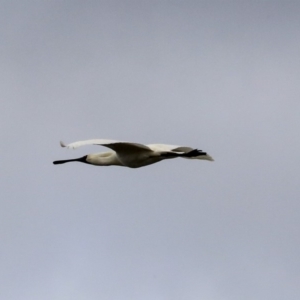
(132, 155)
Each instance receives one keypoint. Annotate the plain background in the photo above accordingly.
(221, 76)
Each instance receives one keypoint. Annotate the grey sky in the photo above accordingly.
(221, 76)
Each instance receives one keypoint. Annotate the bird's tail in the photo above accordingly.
(205, 157)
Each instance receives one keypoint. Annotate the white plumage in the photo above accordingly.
(132, 155)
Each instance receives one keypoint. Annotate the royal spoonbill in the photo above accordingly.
(132, 155)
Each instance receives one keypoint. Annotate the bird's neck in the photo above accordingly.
(103, 159)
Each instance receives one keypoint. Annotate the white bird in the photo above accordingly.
(132, 155)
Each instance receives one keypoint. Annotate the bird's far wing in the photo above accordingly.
(87, 142)
(112, 144)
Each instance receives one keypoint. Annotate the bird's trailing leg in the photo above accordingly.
(193, 153)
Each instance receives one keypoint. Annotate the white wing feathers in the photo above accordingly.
(112, 144)
(87, 142)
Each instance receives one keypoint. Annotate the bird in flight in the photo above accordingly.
(132, 155)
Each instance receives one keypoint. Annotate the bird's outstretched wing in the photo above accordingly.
(117, 146)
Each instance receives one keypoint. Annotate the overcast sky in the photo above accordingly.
(221, 76)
